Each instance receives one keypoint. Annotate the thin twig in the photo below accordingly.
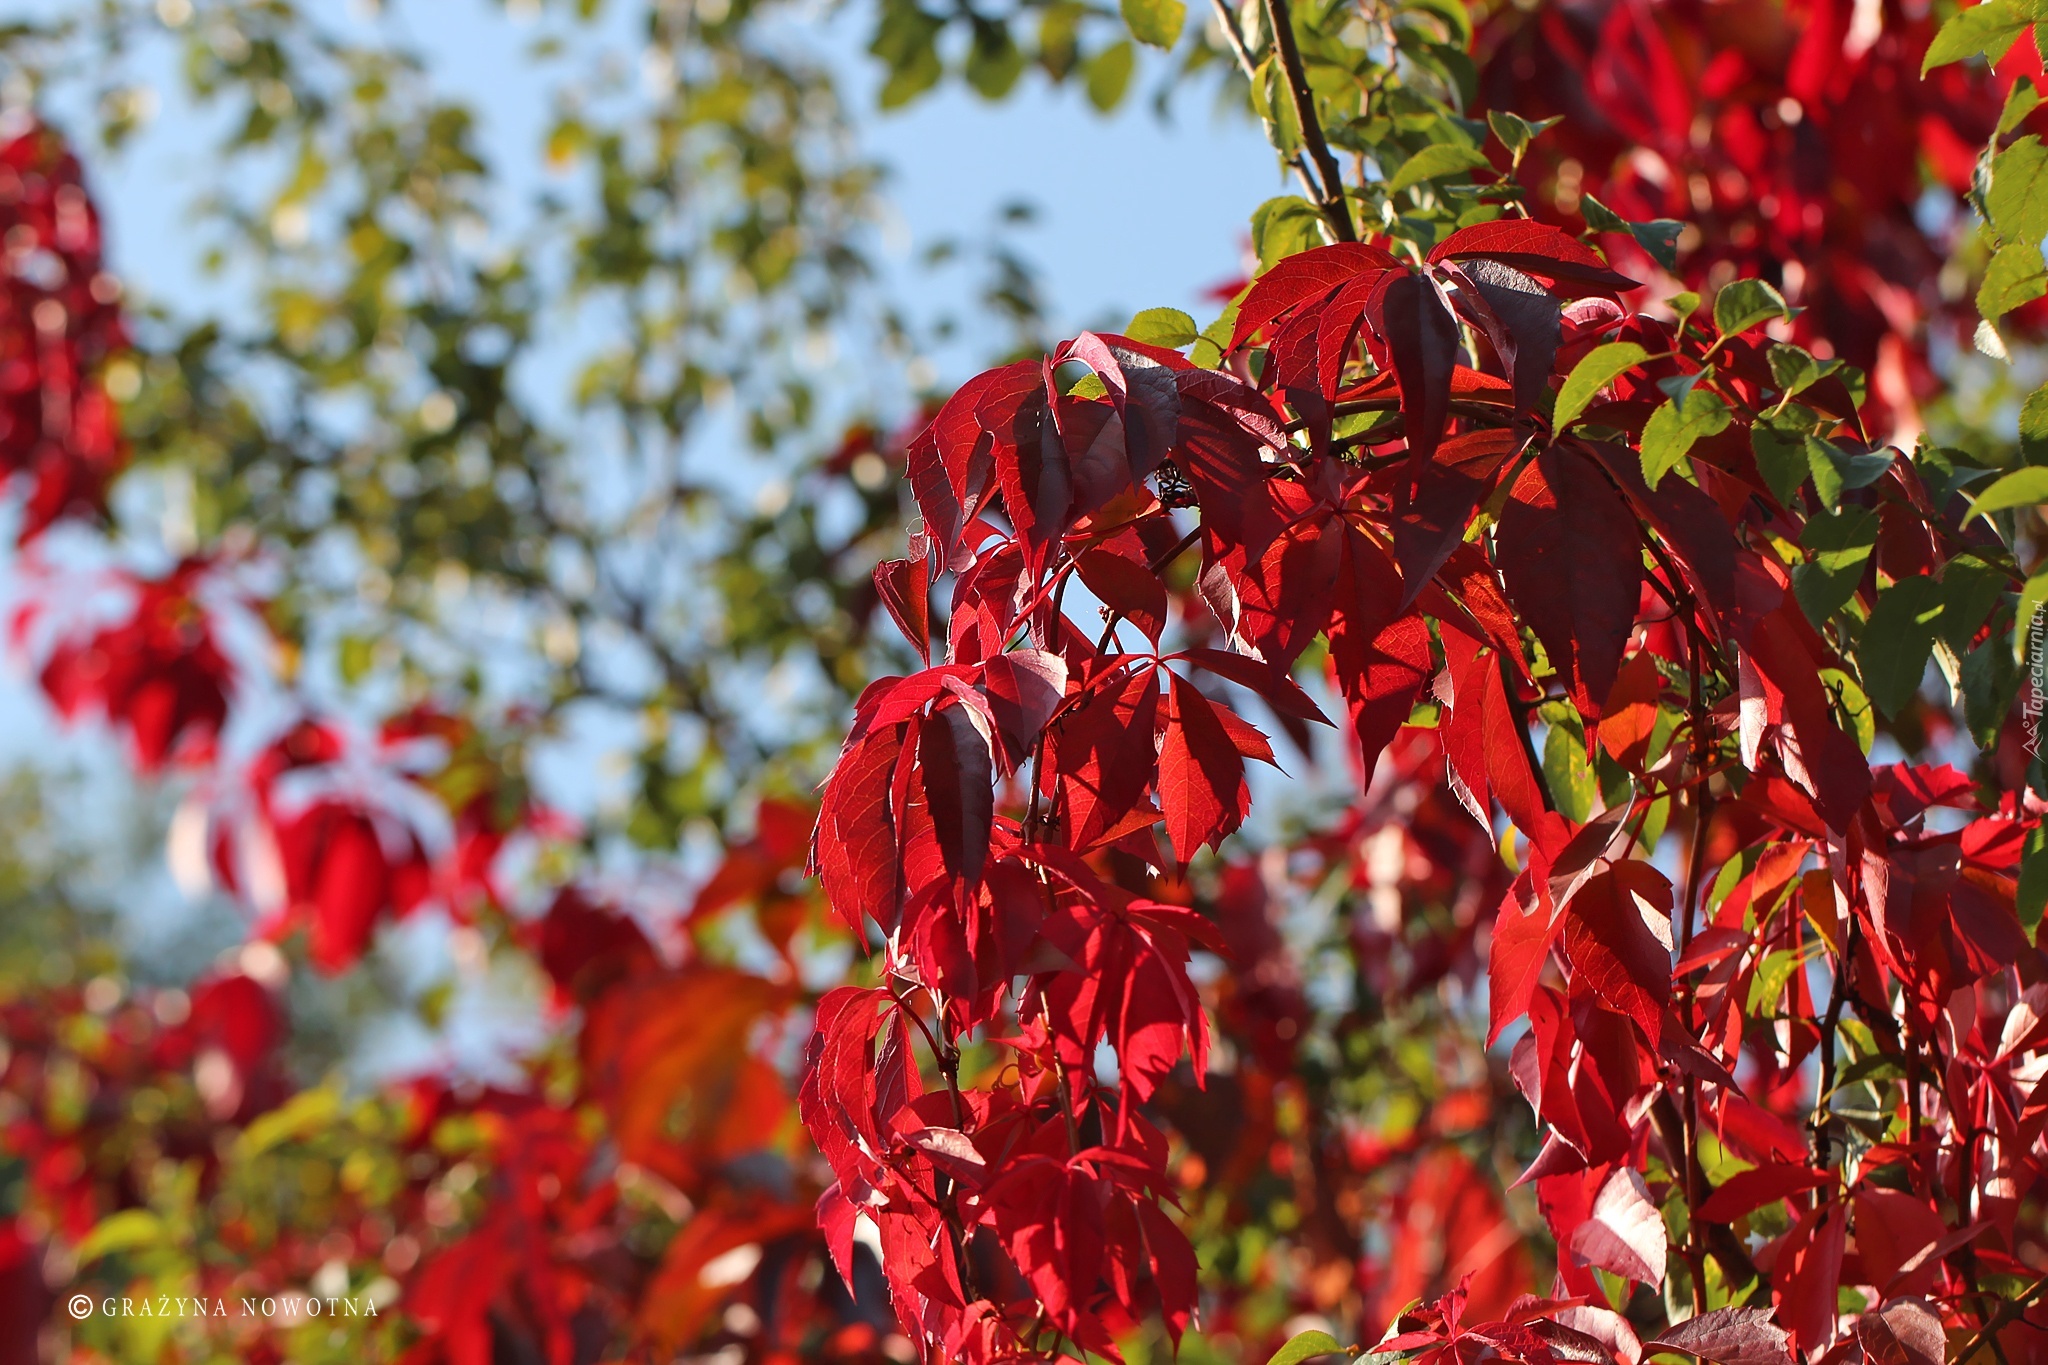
(1823, 1111)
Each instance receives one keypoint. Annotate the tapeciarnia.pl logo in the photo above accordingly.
(2036, 700)
(303, 1306)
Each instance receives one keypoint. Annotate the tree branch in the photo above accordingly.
(1336, 211)
(1250, 69)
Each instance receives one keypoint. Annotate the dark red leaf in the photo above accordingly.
(958, 771)
(1536, 249)
(1729, 1336)
(1431, 512)
(1421, 335)
(1571, 556)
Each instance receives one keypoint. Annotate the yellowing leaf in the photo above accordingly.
(1157, 22)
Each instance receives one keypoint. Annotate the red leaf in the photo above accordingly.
(905, 586)
(1805, 1276)
(854, 851)
(1521, 318)
(1033, 469)
(1893, 1229)
(1630, 715)
(1273, 686)
(958, 770)
(1430, 516)
(1523, 930)
(1569, 551)
(1613, 947)
(1626, 1233)
(1537, 249)
(1421, 334)
(1747, 1191)
(1104, 754)
(1202, 789)
(949, 463)
(1381, 661)
(1729, 1336)
(1024, 687)
(1308, 275)
(1903, 1332)
(1128, 588)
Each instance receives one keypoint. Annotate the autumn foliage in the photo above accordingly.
(1477, 808)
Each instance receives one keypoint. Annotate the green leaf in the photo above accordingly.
(1167, 327)
(1836, 471)
(2015, 276)
(1840, 545)
(906, 39)
(1796, 371)
(1284, 226)
(994, 61)
(2025, 487)
(1157, 22)
(1855, 706)
(1567, 768)
(2023, 100)
(1991, 681)
(1306, 1346)
(123, 1231)
(1971, 590)
(1898, 637)
(1684, 303)
(2034, 427)
(1673, 428)
(1215, 339)
(1989, 30)
(1659, 237)
(1599, 217)
(1108, 74)
(1780, 458)
(2033, 888)
(1767, 987)
(2018, 198)
(2032, 596)
(1437, 159)
(1600, 367)
(1743, 304)
(1514, 131)
(355, 656)
(1059, 30)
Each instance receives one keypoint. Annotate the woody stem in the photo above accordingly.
(1335, 211)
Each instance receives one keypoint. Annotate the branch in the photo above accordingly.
(2007, 1314)
(1250, 69)
(1335, 210)
(1823, 1112)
